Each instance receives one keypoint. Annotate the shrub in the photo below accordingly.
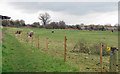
(83, 47)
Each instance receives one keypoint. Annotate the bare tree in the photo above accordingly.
(45, 18)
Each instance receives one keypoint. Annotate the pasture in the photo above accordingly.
(53, 61)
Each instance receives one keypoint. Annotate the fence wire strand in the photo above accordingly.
(78, 51)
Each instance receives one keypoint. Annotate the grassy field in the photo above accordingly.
(20, 56)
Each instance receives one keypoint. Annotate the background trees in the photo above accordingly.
(44, 17)
(22, 22)
(5, 22)
(36, 24)
(56, 25)
(13, 22)
(61, 24)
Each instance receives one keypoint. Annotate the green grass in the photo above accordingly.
(80, 61)
(21, 57)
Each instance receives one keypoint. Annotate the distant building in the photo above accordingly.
(111, 28)
(85, 27)
(4, 17)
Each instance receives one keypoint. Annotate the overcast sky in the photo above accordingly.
(94, 12)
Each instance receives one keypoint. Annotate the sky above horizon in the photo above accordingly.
(70, 12)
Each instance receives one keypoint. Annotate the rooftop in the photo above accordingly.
(4, 17)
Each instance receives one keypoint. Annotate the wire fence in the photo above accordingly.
(83, 55)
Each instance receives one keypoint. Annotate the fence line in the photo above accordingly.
(101, 51)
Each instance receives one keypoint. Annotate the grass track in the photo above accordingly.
(21, 57)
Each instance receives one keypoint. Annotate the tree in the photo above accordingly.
(36, 24)
(73, 27)
(78, 27)
(5, 22)
(22, 22)
(12, 22)
(62, 24)
(102, 28)
(17, 22)
(81, 24)
(54, 25)
(45, 18)
(91, 26)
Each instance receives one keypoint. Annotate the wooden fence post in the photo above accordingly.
(65, 50)
(101, 57)
(47, 45)
(38, 41)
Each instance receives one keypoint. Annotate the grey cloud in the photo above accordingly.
(76, 8)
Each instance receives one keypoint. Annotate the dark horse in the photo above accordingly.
(18, 32)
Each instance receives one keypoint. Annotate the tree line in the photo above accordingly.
(45, 20)
(13, 22)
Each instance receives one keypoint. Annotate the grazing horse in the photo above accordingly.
(18, 32)
(31, 33)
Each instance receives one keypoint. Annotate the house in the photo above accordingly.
(4, 17)
(85, 27)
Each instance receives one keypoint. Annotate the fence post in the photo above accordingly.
(65, 50)
(101, 57)
(38, 41)
(47, 45)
